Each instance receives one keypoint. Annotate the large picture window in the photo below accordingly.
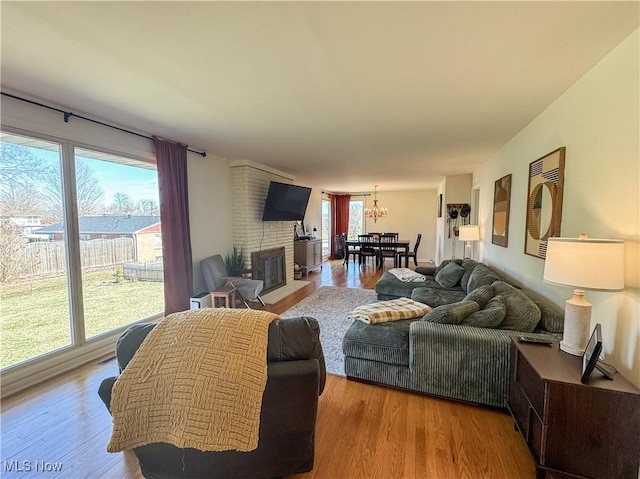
(66, 210)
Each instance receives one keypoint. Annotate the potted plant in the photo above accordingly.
(235, 261)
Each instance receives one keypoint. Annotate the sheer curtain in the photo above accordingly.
(340, 218)
(174, 214)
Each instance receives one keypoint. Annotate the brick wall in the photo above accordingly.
(249, 186)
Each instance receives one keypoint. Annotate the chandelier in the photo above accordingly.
(377, 211)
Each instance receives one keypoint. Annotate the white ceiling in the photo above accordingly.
(343, 95)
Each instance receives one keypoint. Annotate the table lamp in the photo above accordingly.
(468, 234)
(582, 263)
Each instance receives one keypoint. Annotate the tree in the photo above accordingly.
(32, 183)
(88, 191)
(19, 168)
(121, 204)
(11, 265)
(146, 208)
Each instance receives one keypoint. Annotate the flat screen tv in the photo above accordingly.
(286, 202)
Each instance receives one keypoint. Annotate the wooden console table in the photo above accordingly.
(572, 429)
(226, 292)
(308, 254)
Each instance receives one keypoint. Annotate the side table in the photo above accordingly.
(573, 430)
(226, 292)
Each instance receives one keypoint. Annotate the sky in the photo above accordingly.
(137, 183)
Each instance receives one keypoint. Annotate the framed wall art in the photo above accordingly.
(501, 204)
(544, 204)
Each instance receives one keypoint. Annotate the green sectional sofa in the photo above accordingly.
(460, 349)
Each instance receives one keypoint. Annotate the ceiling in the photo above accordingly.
(343, 95)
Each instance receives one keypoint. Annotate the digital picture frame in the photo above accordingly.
(591, 356)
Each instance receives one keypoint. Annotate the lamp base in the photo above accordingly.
(567, 348)
(577, 320)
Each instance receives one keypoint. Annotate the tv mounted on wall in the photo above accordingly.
(286, 202)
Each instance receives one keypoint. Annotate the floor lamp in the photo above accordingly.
(582, 263)
(468, 234)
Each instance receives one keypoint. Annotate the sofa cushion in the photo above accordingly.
(480, 276)
(425, 270)
(469, 265)
(385, 342)
(390, 287)
(450, 275)
(435, 297)
(481, 295)
(453, 313)
(522, 313)
(490, 316)
(551, 315)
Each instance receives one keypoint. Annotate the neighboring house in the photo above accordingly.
(24, 223)
(145, 231)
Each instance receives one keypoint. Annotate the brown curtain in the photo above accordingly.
(174, 214)
(339, 218)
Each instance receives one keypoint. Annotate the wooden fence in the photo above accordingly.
(144, 271)
(48, 258)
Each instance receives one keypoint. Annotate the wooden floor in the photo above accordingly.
(363, 430)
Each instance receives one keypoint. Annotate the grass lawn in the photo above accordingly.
(34, 319)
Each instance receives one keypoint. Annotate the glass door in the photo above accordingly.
(326, 229)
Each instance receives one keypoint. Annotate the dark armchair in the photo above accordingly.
(296, 377)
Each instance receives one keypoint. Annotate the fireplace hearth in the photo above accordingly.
(269, 266)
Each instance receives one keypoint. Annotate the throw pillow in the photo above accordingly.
(480, 276)
(450, 275)
(481, 295)
(522, 313)
(488, 317)
(469, 265)
(452, 313)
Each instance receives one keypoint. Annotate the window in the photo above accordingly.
(118, 196)
(356, 219)
(34, 294)
(44, 308)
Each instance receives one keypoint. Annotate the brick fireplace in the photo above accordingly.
(250, 183)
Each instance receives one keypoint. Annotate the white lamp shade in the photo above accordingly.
(587, 263)
(469, 233)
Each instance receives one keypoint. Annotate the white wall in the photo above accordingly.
(597, 119)
(209, 211)
(410, 212)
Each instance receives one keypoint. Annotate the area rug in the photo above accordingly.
(330, 305)
(280, 293)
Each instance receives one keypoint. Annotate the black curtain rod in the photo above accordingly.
(68, 114)
(355, 194)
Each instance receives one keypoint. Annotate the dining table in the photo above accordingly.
(401, 246)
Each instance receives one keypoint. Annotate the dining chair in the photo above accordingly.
(411, 254)
(367, 251)
(388, 248)
(348, 250)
